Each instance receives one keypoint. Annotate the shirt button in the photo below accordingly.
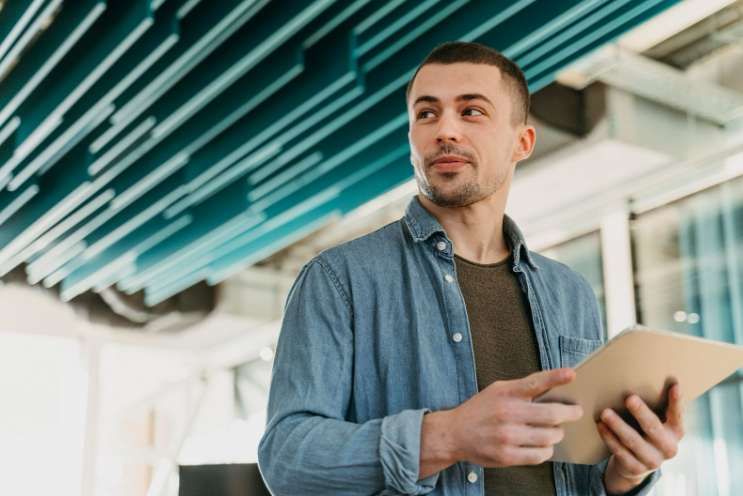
(448, 278)
(457, 338)
(472, 477)
(441, 245)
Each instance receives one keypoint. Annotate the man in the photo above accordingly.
(384, 383)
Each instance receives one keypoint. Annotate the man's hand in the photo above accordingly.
(495, 428)
(635, 456)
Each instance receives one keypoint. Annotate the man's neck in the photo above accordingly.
(475, 230)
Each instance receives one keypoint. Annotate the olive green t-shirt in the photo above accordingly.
(506, 348)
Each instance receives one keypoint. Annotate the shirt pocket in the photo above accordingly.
(574, 349)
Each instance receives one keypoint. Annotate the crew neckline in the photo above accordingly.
(496, 264)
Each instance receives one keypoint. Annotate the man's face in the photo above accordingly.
(462, 140)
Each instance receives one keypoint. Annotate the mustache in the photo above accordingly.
(450, 149)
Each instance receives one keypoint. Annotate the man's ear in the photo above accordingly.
(525, 146)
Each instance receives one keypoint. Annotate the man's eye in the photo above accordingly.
(422, 114)
(473, 110)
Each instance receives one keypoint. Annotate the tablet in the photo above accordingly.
(641, 361)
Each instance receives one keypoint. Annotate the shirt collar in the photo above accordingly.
(422, 225)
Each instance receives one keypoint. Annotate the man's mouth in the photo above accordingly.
(448, 163)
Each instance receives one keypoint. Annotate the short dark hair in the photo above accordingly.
(475, 53)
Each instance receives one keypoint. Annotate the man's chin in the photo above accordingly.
(449, 195)
(452, 200)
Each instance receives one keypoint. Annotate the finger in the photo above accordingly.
(624, 455)
(548, 413)
(529, 436)
(631, 439)
(539, 382)
(675, 410)
(663, 440)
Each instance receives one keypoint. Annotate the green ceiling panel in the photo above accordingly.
(151, 145)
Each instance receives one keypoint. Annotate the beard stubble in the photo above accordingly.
(469, 192)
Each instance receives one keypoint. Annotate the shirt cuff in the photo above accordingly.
(400, 450)
(597, 482)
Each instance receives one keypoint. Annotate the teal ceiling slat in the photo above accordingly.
(16, 15)
(153, 150)
(202, 31)
(214, 75)
(399, 64)
(552, 17)
(91, 209)
(582, 34)
(91, 104)
(267, 31)
(382, 11)
(283, 99)
(224, 104)
(396, 20)
(56, 189)
(166, 162)
(278, 240)
(190, 132)
(542, 20)
(338, 178)
(25, 30)
(135, 175)
(540, 76)
(328, 74)
(394, 173)
(64, 187)
(97, 50)
(68, 27)
(7, 145)
(213, 224)
(13, 202)
(105, 246)
(573, 30)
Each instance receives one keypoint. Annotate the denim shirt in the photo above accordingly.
(367, 347)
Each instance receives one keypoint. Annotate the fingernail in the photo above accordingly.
(634, 403)
(607, 414)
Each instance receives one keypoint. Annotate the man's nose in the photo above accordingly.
(448, 130)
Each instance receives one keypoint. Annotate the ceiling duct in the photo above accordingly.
(705, 38)
(119, 311)
(634, 141)
(661, 83)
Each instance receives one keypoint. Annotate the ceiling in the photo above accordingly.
(151, 145)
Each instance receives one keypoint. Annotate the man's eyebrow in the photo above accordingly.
(425, 98)
(474, 96)
(461, 98)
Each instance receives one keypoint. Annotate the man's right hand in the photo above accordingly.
(496, 427)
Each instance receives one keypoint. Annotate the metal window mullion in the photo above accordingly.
(616, 259)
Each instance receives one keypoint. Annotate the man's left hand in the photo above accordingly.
(635, 456)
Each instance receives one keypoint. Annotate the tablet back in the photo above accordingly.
(638, 361)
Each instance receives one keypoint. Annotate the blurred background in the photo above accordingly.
(168, 166)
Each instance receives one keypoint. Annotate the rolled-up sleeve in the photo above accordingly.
(309, 447)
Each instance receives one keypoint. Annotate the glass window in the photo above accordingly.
(583, 254)
(688, 263)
